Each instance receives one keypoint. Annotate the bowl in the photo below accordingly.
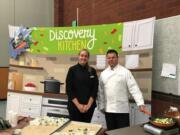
(29, 88)
(163, 122)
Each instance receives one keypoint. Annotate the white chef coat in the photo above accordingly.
(113, 90)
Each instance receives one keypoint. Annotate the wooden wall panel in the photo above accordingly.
(3, 82)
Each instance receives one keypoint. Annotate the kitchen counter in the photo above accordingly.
(60, 95)
(50, 95)
(135, 130)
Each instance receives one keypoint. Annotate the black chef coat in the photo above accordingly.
(81, 83)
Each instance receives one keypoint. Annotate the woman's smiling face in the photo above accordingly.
(83, 57)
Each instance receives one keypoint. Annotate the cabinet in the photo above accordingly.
(24, 104)
(30, 105)
(137, 117)
(99, 118)
(13, 100)
(138, 35)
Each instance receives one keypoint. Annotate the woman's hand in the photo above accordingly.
(88, 105)
(79, 106)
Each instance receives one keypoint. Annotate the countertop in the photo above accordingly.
(135, 130)
(60, 95)
(50, 95)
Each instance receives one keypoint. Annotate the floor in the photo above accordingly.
(3, 109)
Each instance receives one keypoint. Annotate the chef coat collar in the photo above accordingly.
(113, 68)
(83, 66)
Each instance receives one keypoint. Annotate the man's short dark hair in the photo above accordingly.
(112, 51)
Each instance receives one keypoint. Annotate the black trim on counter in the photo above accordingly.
(169, 97)
(57, 115)
(54, 106)
(57, 102)
(145, 101)
(3, 99)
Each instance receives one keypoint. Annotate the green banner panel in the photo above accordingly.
(70, 40)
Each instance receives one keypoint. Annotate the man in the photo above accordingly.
(114, 84)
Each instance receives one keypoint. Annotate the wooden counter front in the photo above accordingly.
(3, 82)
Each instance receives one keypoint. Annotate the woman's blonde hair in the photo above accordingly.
(86, 50)
(88, 67)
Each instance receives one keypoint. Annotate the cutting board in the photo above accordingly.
(38, 130)
(74, 125)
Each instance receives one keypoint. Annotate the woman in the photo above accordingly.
(81, 88)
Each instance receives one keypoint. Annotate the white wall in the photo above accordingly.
(22, 12)
(166, 50)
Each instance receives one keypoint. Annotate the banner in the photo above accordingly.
(70, 40)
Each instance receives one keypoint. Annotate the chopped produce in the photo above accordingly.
(163, 120)
(49, 121)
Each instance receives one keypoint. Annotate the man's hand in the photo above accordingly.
(142, 108)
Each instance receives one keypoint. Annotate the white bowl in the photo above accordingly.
(29, 88)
